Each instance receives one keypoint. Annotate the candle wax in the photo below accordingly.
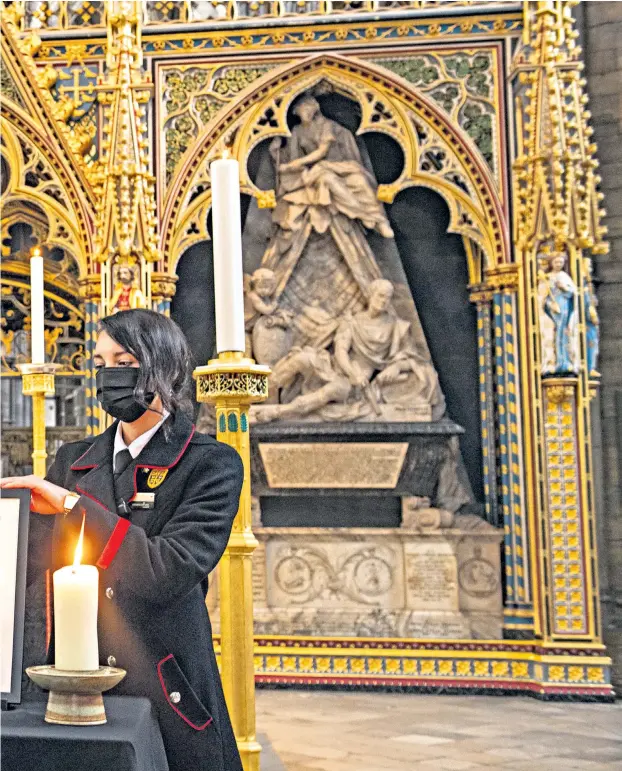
(37, 312)
(227, 237)
(75, 618)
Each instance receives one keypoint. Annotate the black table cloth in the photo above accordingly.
(129, 741)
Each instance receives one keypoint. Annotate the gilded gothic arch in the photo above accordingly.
(43, 169)
(437, 154)
(37, 180)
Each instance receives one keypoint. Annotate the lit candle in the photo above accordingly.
(227, 239)
(75, 614)
(37, 313)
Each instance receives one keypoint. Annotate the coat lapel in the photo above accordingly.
(160, 454)
(98, 482)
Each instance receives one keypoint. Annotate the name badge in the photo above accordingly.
(143, 501)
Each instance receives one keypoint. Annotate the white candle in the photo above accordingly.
(75, 615)
(227, 242)
(37, 313)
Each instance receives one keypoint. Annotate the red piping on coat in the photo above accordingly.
(114, 542)
(161, 468)
(82, 468)
(181, 715)
(91, 497)
(118, 534)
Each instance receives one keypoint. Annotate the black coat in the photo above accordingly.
(153, 575)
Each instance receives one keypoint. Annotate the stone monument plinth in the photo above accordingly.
(355, 474)
(381, 548)
(379, 582)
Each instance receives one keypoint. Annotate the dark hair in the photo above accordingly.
(162, 351)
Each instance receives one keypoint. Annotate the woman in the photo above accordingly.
(561, 307)
(159, 501)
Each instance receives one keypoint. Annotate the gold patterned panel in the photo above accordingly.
(45, 176)
(192, 94)
(465, 83)
(224, 385)
(64, 323)
(566, 540)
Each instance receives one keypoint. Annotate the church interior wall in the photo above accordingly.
(426, 110)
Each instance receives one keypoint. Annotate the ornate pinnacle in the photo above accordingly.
(556, 159)
(126, 221)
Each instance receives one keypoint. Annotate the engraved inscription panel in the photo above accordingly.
(359, 465)
(431, 576)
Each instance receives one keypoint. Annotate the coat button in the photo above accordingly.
(112, 662)
(175, 697)
(110, 592)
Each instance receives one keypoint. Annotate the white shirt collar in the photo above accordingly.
(139, 444)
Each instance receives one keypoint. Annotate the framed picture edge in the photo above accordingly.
(14, 696)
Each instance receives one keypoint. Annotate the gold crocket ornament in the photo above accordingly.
(156, 477)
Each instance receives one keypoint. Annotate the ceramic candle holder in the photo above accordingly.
(75, 697)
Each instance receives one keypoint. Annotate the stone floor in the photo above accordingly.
(331, 731)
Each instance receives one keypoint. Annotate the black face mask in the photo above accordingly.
(115, 392)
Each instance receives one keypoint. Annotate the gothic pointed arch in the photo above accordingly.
(437, 154)
(42, 170)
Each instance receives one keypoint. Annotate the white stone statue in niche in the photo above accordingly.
(558, 319)
(357, 349)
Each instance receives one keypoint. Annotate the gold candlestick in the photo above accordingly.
(38, 382)
(232, 383)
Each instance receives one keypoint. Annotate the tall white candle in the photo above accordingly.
(37, 313)
(75, 615)
(227, 242)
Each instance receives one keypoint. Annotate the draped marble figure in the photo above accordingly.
(358, 351)
(325, 198)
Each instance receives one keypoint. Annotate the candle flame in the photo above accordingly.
(78, 553)
(35, 251)
(226, 154)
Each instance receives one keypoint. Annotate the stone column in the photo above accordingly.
(482, 297)
(518, 612)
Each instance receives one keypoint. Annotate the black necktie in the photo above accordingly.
(121, 461)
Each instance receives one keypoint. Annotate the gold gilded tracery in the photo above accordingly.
(437, 154)
(45, 189)
(43, 167)
(34, 180)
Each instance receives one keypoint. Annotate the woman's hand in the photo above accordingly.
(45, 497)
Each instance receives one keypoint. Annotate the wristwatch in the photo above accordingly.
(70, 501)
